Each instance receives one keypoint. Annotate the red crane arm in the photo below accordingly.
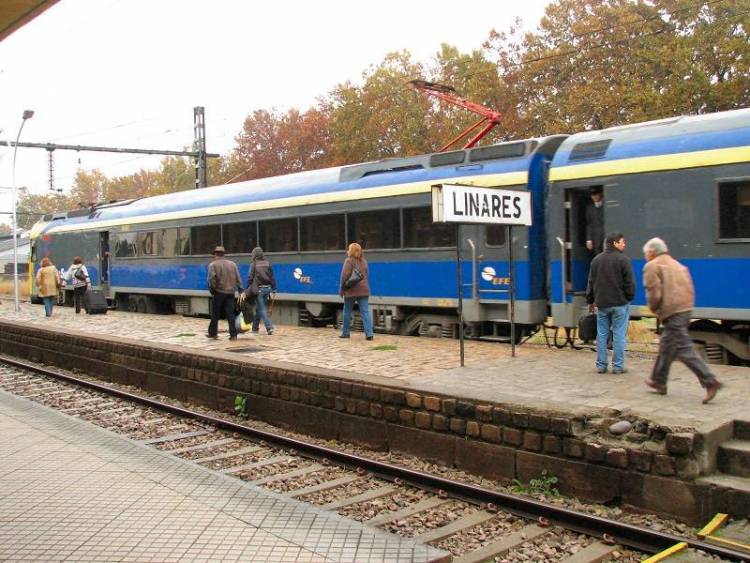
(489, 117)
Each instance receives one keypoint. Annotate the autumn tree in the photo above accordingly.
(32, 207)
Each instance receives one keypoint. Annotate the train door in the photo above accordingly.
(104, 264)
(577, 256)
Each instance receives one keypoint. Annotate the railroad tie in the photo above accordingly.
(227, 455)
(405, 512)
(290, 475)
(203, 446)
(345, 480)
(592, 553)
(173, 437)
(467, 521)
(256, 464)
(372, 494)
(503, 545)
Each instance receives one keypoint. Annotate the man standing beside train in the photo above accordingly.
(223, 281)
(671, 296)
(610, 290)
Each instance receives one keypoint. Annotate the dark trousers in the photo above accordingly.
(222, 302)
(78, 292)
(675, 344)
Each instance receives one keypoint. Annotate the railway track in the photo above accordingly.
(472, 523)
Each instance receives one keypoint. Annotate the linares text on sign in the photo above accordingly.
(469, 204)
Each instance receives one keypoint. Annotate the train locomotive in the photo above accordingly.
(685, 179)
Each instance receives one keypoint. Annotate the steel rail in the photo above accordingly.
(628, 535)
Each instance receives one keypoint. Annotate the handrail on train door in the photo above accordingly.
(563, 268)
(474, 293)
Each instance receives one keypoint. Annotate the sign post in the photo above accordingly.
(462, 204)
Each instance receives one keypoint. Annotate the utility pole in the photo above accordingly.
(199, 145)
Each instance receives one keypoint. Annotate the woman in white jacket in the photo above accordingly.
(78, 275)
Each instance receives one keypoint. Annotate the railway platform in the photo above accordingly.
(70, 491)
(500, 417)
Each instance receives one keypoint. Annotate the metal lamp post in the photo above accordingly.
(27, 114)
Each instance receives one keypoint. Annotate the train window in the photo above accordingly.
(184, 241)
(204, 239)
(125, 245)
(168, 242)
(279, 235)
(421, 232)
(240, 237)
(494, 235)
(324, 232)
(147, 244)
(734, 210)
(375, 229)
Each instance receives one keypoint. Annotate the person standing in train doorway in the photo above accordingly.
(354, 287)
(595, 222)
(79, 276)
(671, 295)
(261, 285)
(610, 290)
(223, 281)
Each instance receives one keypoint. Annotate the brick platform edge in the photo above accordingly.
(653, 469)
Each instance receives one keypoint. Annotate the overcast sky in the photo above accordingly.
(128, 73)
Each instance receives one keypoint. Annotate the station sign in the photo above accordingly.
(453, 203)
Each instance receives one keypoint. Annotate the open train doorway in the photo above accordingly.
(104, 256)
(584, 235)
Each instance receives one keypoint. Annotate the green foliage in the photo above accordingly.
(240, 405)
(386, 347)
(543, 485)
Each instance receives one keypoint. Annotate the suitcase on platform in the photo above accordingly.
(95, 302)
(587, 327)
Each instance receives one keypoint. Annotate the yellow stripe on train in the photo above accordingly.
(490, 180)
(642, 164)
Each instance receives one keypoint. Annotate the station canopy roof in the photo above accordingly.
(14, 14)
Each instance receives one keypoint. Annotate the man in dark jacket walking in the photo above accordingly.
(223, 280)
(261, 284)
(610, 290)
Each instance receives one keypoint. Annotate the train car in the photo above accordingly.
(152, 254)
(685, 180)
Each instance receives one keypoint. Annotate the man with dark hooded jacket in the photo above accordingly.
(610, 290)
(260, 285)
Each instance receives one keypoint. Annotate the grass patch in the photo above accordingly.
(544, 485)
(184, 334)
(386, 347)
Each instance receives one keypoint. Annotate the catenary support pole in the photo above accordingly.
(512, 274)
(460, 293)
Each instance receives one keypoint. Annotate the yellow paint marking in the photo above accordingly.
(731, 543)
(490, 180)
(676, 548)
(716, 522)
(641, 164)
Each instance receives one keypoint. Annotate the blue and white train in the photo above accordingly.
(685, 179)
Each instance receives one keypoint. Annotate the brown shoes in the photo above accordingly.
(711, 391)
(658, 387)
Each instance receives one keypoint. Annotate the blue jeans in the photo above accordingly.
(261, 309)
(616, 319)
(48, 303)
(364, 312)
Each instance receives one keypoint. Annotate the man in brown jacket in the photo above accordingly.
(223, 281)
(671, 296)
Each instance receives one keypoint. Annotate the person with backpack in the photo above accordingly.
(354, 288)
(78, 275)
(260, 285)
(48, 282)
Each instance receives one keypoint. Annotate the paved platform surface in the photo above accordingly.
(563, 380)
(70, 491)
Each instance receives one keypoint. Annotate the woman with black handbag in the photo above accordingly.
(354, 288)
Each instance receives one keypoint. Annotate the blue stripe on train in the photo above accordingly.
(429, 280)
(719, 282)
